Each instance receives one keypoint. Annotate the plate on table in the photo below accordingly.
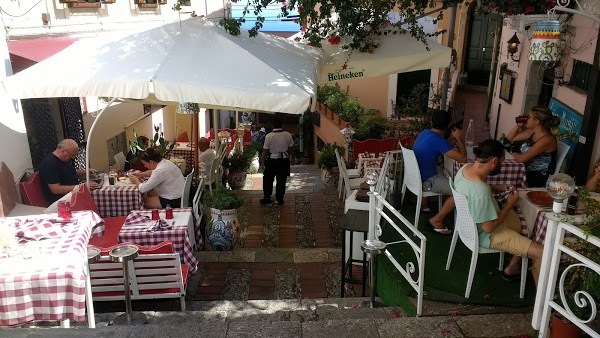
(541, 198)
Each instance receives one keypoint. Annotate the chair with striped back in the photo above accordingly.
(156, 273)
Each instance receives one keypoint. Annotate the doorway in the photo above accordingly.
(407, 81)
(480, 47)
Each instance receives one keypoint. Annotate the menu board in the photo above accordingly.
(570, 126)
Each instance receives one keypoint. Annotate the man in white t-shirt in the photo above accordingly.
(207, 155)
(277, 152)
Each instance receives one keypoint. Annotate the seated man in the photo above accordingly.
(57, 172)
(498, 228)
(259, 136)
(207, 155)
(429, 146)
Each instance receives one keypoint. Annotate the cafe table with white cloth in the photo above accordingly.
(140, 229)
(511, 173)
(534, 214)
(43, 276)
(118, 199)
(368, 161)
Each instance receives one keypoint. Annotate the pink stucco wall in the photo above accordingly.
(582, 47)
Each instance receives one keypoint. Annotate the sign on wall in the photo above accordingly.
(569, 128)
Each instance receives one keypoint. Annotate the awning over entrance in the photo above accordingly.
(25, 53)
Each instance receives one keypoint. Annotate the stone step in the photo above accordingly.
(273, 255)
(193, 323)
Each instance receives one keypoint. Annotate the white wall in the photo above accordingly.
(13, 137)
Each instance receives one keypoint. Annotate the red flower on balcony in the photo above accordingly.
(334, 39)
(510, 7)
(529, 9)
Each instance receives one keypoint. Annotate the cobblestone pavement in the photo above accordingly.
(303, 234)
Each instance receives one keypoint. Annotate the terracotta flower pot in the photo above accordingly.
(562, 328)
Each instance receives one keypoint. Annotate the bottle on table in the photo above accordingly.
(112, 175)
(470, 140)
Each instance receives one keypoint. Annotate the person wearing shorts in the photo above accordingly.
(497, 228)
(429, 146)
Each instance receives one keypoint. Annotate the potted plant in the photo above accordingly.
(237, 165)
(163, 146)
(223, 228)
(327, 161)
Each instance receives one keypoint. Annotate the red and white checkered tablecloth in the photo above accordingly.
(138, 234)
(512, 172)
(185, 152)
(541, 224)
(49, 285)
(117, 200)
(368, 161)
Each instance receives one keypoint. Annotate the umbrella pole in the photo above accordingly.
(217, 141)
(195, 135)
(89, 138)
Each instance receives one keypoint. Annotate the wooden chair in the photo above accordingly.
(156, 273)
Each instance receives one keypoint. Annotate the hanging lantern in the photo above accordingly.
(545, 44)
(188, 108)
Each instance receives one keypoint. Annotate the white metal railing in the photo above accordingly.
(410, 236)
(546, 299)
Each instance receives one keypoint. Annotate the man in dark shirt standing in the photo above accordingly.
(57, 172)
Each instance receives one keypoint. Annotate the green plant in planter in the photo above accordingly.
(306, 129)
(371, 126)
(223, 199)
(239, 161)
(327, 157)
(352, 111)
(323, 92)
(163, 146)
(335, 101)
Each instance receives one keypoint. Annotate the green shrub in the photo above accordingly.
(372, 126)
(239, 161)
(327, 157)
(323, 92)
(223, 199)
(352, 111)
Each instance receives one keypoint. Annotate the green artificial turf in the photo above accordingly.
(446, 286)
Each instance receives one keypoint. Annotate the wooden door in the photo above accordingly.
(480, 48)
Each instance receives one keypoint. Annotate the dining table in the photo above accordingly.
(535, 214)
(511, 173)
(368, 161)
(139, 228)
(43, 272)
(184, 151)
(118, 199)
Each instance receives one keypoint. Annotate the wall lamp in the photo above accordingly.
(513, 47)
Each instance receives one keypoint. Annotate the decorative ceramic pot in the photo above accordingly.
(224, 229)
(236, 179)
(329, 177)
(254, 166)
(563, 328)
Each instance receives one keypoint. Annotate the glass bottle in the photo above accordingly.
(469, 135)
(112, 175)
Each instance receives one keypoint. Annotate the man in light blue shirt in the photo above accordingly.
(497, 228)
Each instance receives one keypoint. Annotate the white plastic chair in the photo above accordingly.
(381, 187)
(212, 174)
(197, 207)
(120, 160)
(465, 227)
(561, 152)
(185, 198)
(412, 181)
(354, 181)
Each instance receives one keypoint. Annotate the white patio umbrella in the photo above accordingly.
(188, 61)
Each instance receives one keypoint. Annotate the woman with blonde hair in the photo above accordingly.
(538, 150)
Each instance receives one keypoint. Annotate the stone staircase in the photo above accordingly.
(331, 317)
